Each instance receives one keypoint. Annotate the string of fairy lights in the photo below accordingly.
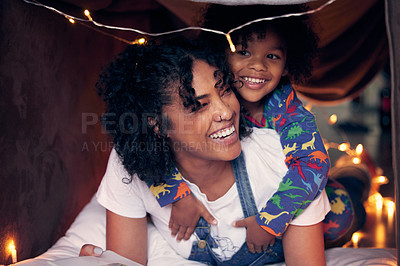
(89, 19)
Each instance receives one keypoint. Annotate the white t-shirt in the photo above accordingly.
(265, 167)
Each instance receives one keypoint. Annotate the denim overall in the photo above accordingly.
(202, 248)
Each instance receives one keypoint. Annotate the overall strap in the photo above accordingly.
(243, 186)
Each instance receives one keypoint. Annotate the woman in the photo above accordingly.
(174, 107)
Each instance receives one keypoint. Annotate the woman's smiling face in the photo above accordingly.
(211, 132)
(259, 66)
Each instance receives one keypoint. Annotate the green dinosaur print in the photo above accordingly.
(288, 186)
(303, 202)
(295, 131)
(292, 196)
(276, 199)
(299, 211)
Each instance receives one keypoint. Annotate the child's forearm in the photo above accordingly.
(306, 158)
(174, 189)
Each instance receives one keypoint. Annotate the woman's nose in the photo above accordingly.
(222, 112)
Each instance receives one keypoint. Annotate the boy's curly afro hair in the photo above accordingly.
(137, 85)
(296, 32)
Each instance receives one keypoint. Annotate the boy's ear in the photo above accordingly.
(285, 72)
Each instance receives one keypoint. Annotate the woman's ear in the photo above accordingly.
(153, 122)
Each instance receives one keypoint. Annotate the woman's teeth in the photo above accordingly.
(254, 80)
(223, 133)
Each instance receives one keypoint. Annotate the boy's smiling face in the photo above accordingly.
(259, 66)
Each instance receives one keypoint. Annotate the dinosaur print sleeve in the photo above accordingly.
(174, 189)
(306, 158)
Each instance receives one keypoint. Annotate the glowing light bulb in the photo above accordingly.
(87, 13)
(355, 238)
(380, 180)
(141, 40)
(359, 149)
(343, 147)
(390, 206)
(332, 119)
(71, 20)
(356, 160)
(231, 45)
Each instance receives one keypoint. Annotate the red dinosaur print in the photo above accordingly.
(183, 190)
(275, 119)
(269, 230)
(288, 159)
(329, 225)
(283, 121)
(313, 166)
(289, 99)
(291, 109)
(319, 155)
(297, 163)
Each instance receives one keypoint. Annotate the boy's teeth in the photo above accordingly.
(254, 80)
(224, 133)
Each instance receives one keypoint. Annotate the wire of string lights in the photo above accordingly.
(89, 18)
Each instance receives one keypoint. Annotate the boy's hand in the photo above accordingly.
(257, 238)
(185, 214)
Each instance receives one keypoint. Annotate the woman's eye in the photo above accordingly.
(226, 91)
(202, 105)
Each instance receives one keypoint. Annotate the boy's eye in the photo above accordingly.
(242, 52)
(273, 56)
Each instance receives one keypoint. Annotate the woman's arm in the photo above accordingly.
(304, 245)
(127, 236)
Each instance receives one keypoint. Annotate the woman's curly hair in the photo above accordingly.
(137, 85)
(296, 32)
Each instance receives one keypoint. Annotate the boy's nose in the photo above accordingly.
(258, 64)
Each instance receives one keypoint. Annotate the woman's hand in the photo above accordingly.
(185, 214)
(257, 238)
(90, 250)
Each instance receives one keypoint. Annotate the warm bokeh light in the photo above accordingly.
(356, 160)
(391, 208)
(359, 149)
(381, 180)
(332, 119)
(380, 235)
(343, 147)
(355, 238)
(71, 20)
(141, 40)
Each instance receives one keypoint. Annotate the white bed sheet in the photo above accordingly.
(89, 228)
